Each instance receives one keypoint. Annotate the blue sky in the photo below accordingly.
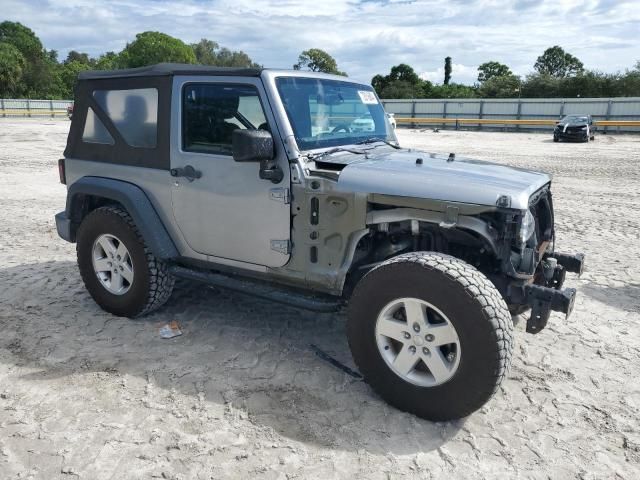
(365, 36)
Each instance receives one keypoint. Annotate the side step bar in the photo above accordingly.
(276, 293)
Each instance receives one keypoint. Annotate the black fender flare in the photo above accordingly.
(135, 202)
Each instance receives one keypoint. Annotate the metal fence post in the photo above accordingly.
(444, 112)
(480, 112)
(51, 108)
(28, 108)
(4, 114)
(519, 112)
(413, 112)
(562, 108)
(608, 113)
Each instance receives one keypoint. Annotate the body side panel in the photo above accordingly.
(153, 182)
(133, 199)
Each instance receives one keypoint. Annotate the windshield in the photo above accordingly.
(575, 119)
(328, 113)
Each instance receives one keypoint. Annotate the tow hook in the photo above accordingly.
(543, 300)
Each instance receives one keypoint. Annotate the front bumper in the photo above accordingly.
(63, 225)
(581, 135)
(543, 299)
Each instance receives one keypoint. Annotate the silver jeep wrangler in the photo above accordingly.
(256, 180)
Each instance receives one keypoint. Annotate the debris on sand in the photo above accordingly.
(170, 330)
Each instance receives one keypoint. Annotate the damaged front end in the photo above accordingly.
(535, 271)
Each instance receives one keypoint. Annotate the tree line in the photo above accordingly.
(557, 74)
(28, 70)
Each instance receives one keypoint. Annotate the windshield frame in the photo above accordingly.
(330, 142)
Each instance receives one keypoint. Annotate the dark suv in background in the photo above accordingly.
(575, 127)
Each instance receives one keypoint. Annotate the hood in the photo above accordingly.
(461, 180)
(572, 122)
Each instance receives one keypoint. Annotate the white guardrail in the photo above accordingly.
(17, 107)
(612, 114)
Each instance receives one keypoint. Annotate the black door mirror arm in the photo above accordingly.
(269, 170)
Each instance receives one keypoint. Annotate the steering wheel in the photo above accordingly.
(341, 128)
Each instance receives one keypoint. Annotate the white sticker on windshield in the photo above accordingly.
(367, 97)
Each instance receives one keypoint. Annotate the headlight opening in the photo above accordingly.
(527, 227)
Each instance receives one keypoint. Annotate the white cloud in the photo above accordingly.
(366, 37)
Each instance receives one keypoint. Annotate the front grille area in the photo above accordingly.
(571, 131)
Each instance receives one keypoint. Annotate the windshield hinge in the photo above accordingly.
(280, 195)
(281, 246)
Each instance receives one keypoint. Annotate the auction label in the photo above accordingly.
(367, 97)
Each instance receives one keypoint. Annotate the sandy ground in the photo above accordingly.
(242, 393)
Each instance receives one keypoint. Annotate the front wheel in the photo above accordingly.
(430, 334)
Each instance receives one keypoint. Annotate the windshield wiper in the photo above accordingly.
(378, 139)
(335, 150)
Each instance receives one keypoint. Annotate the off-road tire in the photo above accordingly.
(472, 304)
(152, 283)
(555, 138)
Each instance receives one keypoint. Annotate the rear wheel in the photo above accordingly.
(555, 138)
(430, 334)
(117, 267)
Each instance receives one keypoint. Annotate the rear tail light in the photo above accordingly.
(61, 172)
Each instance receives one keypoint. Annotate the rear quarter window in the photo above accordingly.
(134, 114)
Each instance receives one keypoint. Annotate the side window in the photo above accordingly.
(133, 112)
(211, 112)
(95, 131)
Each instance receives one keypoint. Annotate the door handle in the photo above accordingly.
(188, 172)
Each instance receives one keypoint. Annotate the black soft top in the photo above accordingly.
(169, 69)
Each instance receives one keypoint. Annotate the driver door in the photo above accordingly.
(225, 211)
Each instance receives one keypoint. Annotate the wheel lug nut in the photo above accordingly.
(426, 351)
(119, 258)
(451, 356)
(416, 327)
(407, 335)
(429, 338)
(412, 349)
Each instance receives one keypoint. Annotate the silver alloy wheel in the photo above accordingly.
(112, 264)
(418, 342)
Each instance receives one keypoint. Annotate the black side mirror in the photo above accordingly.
(257, 146)
(252, 146)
